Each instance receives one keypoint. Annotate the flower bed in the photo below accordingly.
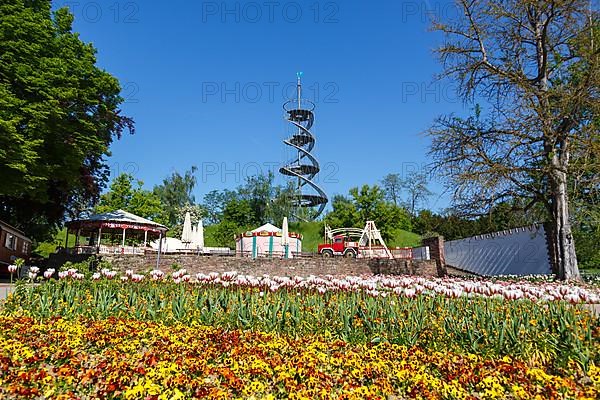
(132, 359)
(233, 335)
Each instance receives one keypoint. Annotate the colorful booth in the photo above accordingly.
(267, 241)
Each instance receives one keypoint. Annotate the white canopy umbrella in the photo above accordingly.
(186, 234)
(285, 237)
(200, 234)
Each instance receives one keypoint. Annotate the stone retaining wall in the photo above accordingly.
(317, 266)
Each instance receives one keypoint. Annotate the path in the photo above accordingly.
(5, 289)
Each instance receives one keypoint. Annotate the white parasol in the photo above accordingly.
(186, 234)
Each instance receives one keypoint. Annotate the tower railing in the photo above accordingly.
(304, 167)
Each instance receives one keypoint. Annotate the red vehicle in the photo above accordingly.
(354, 242)
(339, 246)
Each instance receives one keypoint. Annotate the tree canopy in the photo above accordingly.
(535, 67)
(59, 114)
(368, 203)
(122, 195)
(175, 193)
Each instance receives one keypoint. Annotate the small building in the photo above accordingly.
(13, 244)
(266, 241)
(108, 233)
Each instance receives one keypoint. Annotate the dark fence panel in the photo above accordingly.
(520, 251)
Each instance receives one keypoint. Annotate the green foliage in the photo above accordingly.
(214, 203)
(44, 249)
(122, 195)
(364, 204)
(175, 193)
(344, 213)
(240, 213)
(588, 250)
(87, 267)
(453, 226)
(312, 234)
(553, 333)
(256, 195)
(256, 202)
(59, 113)
(403, 238)
(224, 233)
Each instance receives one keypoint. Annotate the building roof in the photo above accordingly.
(14, 230)
(119, 216)
(267, 228)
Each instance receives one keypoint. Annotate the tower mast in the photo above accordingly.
(305, 166)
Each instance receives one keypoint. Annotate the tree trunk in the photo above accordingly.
(562, 237)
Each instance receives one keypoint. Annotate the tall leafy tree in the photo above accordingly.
(364, 204)
(343, 214)
(258, 191)
(536, 67)
(214, 203)
(123, 194)
(175, 193)
(59, 113)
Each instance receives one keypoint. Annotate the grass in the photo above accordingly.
(312, 233)
(402, 238)
(44, 249)
(591, 271)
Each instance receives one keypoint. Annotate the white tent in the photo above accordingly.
(266, 228)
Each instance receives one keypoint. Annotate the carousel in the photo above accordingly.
(269, 241)
(116, 232)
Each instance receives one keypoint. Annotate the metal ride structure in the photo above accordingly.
(304, 167)
(355, 242)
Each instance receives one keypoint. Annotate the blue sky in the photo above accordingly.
(205, 82)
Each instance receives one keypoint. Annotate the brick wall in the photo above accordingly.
(436, 252)
(274, 267)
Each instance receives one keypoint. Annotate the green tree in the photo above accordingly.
(281, 203)
(59, 114)
(214, 203)
(259, 191)
(537, 67)
(343, 214)
(118, 196)
(176, 192)
(224, 234)
(368, 203)
(122, 195)
(240, 212)
(238, 216)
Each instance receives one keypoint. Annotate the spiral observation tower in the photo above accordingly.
(304, 167)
